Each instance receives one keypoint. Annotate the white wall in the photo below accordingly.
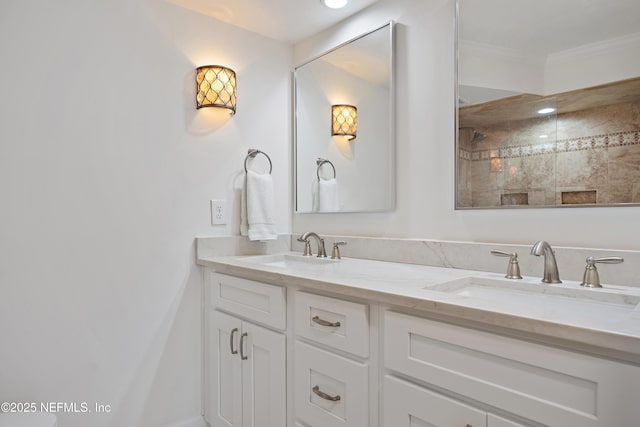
(593, 64)
(499, 68)
(589, 65)
(106, 171)
(425, 157)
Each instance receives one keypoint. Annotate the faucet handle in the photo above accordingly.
(307, 246)
(513, 270)
(307, 249)
(335, 253)
(591, 278)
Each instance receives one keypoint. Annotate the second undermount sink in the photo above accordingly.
(614, 300)
(290, 260)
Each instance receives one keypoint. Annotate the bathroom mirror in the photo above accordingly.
(548, 103)
(344, 145)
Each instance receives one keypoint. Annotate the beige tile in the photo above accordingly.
(587, 167)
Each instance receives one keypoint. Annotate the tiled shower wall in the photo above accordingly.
(587, 156)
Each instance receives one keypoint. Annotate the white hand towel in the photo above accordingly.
(244, 222)
(328, 195)
(257, 211)
(315, 202)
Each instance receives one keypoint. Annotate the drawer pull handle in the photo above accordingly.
(233, 332)
(242, 355)
(323, 322)
(325, 396)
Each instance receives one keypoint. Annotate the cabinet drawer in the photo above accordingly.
(252, 300)
(330, 390)
(541, 383)
(334, 322)
(496, 421)
(407, 405)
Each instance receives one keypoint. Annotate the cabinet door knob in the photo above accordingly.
(323, 322)
(242, 355)
(325, 396)
(233, 332)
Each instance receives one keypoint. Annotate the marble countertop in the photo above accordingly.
(486, 300)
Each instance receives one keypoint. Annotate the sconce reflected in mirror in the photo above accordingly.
(344, 121)
(216, 87)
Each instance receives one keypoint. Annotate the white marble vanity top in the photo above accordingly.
(604, 321)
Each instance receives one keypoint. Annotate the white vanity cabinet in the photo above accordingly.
(296, 355)
(546, 385)
(245, 363)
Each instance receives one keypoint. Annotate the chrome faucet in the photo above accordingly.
(551, 274)
(322, 253)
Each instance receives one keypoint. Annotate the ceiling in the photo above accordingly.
(525, 106)
(543, 27)
(536, 27)
(289, 21)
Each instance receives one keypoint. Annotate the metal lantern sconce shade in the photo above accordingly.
(216, 87)
(344, 121)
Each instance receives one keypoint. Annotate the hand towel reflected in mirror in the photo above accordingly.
(328, 200)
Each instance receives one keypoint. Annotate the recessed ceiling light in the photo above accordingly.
(335, 4)
(546, 110)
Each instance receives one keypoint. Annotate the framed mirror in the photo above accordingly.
(548, 103)
(344, 137)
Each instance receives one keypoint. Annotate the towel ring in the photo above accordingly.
(252, 153)
(320, 161)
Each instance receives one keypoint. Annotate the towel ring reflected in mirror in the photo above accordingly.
(320, 161)
(252, 153)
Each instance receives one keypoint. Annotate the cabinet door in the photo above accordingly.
(223, 406)
(263, 377)
(408, 405)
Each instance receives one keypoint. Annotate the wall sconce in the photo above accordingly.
(216, 87)
(344, 121)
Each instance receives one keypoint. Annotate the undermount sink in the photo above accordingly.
(290, 260)
(567, 297)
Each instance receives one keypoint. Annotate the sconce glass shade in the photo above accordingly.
(216, 87)
(344, 121)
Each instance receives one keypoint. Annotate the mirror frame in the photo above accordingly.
(392, 123)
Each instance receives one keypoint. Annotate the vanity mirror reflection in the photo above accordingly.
(344, 146)
(548, 103)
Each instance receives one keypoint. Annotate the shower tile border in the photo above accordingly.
(602, 141)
